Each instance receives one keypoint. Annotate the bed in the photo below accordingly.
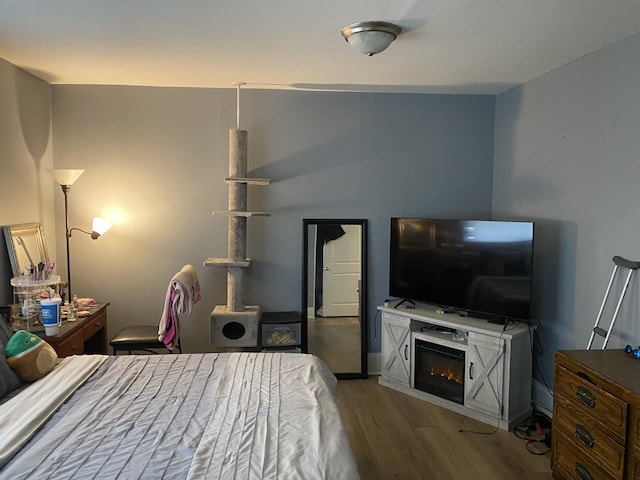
(193, 416)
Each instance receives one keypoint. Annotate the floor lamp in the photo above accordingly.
(65, 178)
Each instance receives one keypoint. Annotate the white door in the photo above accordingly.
(341, 274)
(484, 382)
(396, 349)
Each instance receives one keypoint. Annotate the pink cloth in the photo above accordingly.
(182, 293)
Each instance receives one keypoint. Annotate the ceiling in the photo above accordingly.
(447, 46)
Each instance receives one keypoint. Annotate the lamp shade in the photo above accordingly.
(370, 38)
(65, 176)
(100, 225)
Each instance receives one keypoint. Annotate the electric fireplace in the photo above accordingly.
(467, 365)
(439, 370)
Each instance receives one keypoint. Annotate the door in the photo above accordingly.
(484, 382)
(341, 274)
(396, 348)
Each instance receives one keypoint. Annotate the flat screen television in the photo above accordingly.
(480, 268)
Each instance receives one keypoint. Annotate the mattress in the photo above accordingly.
(192, 416)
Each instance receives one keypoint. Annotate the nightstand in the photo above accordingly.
(596, 415)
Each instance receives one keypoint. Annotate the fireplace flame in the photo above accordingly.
(447, 373)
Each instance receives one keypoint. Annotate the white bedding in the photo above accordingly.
(22, 415)
(220, 416)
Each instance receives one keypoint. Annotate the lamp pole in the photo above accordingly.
(67, 234)
(65, 177)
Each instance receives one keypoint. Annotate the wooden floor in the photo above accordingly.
(396, 436)
(336, 341)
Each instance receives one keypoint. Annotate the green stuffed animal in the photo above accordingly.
(30, 356)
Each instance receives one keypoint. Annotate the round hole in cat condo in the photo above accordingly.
(233, 330)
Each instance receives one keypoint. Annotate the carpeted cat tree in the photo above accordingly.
(236, 324)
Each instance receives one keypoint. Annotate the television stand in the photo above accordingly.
(495, 362)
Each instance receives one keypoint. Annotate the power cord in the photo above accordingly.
(373, 325)
(538, 350)
(534, 424)
(478, 432)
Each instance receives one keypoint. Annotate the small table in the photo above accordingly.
(85, 335)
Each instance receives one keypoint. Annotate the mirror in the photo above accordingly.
(334, 294)
(25, 246)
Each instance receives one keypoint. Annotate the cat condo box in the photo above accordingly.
(281, 331)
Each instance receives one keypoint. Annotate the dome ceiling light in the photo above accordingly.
(370, 37)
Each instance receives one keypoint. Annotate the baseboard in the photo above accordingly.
(374, 363)
(541, 398)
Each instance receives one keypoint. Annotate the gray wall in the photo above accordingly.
(567, 155)
(26, 190)
(156, 159)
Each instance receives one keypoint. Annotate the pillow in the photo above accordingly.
(9, 380)
(30, 356)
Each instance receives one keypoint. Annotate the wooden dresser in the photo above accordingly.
(596, 415)
(84, 335)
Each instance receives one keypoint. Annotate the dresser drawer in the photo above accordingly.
(571, 462)
(586, 433)
(633, 444)
(594, 401)
(74, 345)
(633, 465)
(634, 426)
(95, 325)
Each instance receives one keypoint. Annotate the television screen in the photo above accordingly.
(479, 267)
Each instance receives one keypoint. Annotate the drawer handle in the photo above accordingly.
(584, 436)
(582, 472)
(585, 396)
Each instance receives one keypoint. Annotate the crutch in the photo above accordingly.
(619, 262)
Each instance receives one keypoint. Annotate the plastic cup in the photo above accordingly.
(51, 315)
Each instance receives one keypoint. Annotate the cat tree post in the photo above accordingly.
(236, 324)
(237, 225)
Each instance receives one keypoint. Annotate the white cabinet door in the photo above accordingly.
(396, 348)
(484, 383)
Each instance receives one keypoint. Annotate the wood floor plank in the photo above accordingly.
(396, 436)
